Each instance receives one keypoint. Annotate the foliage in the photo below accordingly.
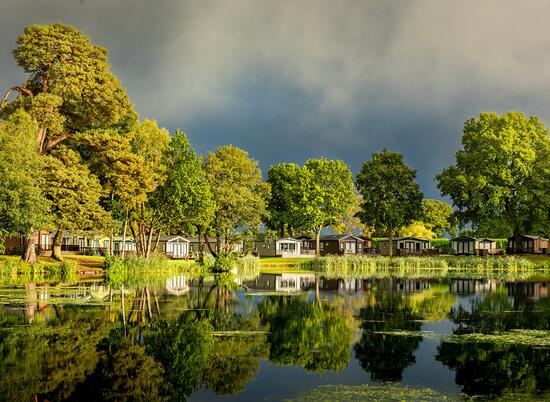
(283, 179)
(237, 189)
(74, 193)
(324, 194)
(438, 217)
(491, 180)
(350, 222)
(23, 205)
(62, 62)
(391, 197)
(417, 229)
(443, 244)
(185, 194)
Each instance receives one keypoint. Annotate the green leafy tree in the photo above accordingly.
(391, 197)
(150, 143)
(350, 223)
(69, 89)
(185, 193)
(322, 196)
(74, 194)
(283, 178)
(238, 191)
(492, 177)
(124, 175)
(23, 205)
(438, 217)
(417, 229)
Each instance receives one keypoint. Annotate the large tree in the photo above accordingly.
(391, 197)
(69, 88)
(438, 217)
(283, 179)
(492, 178)
(238, 191)
(150, 143)
(74, 194)
(322, 196)
(23, 205)
(185, 193)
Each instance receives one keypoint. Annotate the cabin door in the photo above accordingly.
(179, 250)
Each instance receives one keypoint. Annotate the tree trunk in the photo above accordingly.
(157, 241)
(390, 242)
(517, 242)
(124, 235)
(214, 254)
(149, 240)
(318, 243)
(201, 248)
(29, 252)
(136, 240)
(110, 252)
(56, 248)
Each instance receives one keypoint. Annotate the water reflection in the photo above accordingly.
(193, 337)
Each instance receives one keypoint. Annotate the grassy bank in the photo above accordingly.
(14, 270)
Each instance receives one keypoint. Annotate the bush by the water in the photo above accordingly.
(134, 263)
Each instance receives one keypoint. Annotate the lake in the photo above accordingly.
(276, 337)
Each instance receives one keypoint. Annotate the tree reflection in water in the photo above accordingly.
(316, 336)
(497, 369)
(385, 356)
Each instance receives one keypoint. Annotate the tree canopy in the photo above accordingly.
(491, 179)
(239, 194)
(391, 197)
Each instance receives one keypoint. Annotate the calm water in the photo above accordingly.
(277, 337)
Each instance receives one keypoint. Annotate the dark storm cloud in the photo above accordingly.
(297, 79)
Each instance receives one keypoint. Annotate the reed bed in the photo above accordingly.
(425, 267)
(17, 270)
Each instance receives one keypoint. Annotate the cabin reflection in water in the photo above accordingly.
(403, 285)
(472, 286)
(532, 290)
(177, 285)
(343, 286)
(283, 282)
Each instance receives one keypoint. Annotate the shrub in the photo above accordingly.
(443, 244)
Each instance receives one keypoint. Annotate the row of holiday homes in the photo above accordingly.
(178, 246)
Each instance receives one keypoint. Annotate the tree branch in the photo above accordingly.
(53, 142)
(21, 90)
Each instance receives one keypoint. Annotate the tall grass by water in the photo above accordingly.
(15, 270)
(362, 266)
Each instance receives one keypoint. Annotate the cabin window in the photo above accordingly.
(342, 246)
(45, 240)
(105, 243)
(350, 247)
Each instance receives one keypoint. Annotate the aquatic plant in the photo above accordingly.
(364, 392)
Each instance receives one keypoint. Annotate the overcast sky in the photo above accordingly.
(292, 80)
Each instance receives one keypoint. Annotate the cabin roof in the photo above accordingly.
(532, 237)
(473, 238)
(173, 238)
(339, 237)
(405, 238)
